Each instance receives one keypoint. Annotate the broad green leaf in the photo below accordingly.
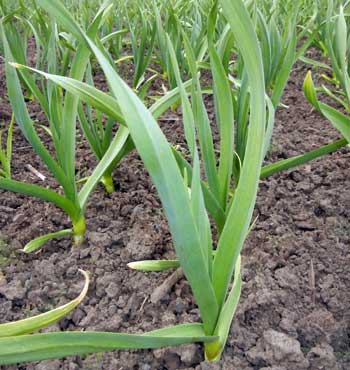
(241, 210)
(338, 119)
(27, 348)
(109, 105)
(197, 201)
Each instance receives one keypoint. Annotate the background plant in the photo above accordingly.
(335, 36)
(6, 151)
(61, 113)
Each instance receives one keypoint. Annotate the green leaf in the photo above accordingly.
(341, 39)
(338, 119)
(24, 121)
(116, 146)
(241, 210)
(154, 265)
(160, 163)
(37, 347)
(310, 91)
(224, 114)
(42, 193)
(213, 350)
(315, 63)
(298, 160)
(113, 35)
(37, 243)
(211, 203)
(197, 201)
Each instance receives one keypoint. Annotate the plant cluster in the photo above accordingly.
(241, 54)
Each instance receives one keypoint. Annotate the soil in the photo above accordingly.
(294, 310)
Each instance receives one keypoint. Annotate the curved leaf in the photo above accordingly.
(31, 324)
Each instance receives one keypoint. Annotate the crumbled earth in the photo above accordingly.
(294, 311)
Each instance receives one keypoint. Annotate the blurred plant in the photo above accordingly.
(335, 37)
(6, 152)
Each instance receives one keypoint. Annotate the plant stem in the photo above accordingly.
(107, 181)
(79, 228)
(213, 350)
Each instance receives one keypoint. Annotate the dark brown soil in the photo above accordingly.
(283, 322)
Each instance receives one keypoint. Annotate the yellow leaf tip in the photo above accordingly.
(16, 65)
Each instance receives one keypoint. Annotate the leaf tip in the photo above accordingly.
(16, 65)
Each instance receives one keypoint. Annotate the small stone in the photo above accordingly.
(171, 359)
(282, 347)
(49, 365)
(275, 347)
(159, 352)
(73, 366)
(286, 278)
(51, 328)
(84, 252)
(112, 290)
(189, 354)
(146, 367)
(288, 322)
(13, 290)
(121, 302)
(112, 324)
(77, 315)
(168, 318)
(89, 319)
(98, 239)
(179, 305)
(305, 226)
(322, 358)
(318, 326)
(210, 366)
(112, 309)
(126, 210)
(296, 176)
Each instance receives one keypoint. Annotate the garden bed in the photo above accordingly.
(294, 310)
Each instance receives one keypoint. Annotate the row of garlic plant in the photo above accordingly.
(246, 93)
(334, 36)
(186, 213)
(61, 112)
